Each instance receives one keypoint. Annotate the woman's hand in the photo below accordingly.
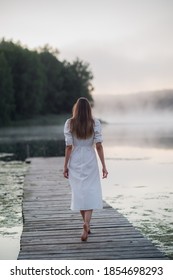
(66, 173)
(105, 172)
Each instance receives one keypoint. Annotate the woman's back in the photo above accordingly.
(72, 139)
(81, 166)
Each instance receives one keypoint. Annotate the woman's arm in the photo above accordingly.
(100, 152)
(68, 151)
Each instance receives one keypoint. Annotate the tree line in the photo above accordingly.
(36, 82)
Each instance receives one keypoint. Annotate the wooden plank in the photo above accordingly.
(52, 231)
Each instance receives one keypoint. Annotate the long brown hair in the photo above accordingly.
(82, 123)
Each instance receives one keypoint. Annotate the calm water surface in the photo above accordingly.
(140, 162)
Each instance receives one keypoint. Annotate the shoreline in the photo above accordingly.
(140, 176)
(116, 197)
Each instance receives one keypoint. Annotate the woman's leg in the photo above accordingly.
(86, 227)
(87, 216)
(83, 214)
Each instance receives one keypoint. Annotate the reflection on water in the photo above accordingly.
(32, 141)
(31, 133)
(139, 135)
(139, 160)
(140, 181)
(34, 148)
(16, 144)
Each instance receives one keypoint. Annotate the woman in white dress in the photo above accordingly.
(81, 166)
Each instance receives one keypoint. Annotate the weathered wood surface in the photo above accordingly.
(52, 231)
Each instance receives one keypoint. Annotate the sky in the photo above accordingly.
(127, 43)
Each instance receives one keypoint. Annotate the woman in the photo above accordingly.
(81, 166)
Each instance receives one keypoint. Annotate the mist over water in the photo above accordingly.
(137, 108)
(138, 145)
(128, 120)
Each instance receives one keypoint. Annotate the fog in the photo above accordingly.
(141, 120)
(144, 108)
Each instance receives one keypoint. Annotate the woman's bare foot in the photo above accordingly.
(86, 230)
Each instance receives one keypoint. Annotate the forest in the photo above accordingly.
(36, 82)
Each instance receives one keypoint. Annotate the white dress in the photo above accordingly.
(84, 177)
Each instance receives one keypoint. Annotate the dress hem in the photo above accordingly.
(82, 209)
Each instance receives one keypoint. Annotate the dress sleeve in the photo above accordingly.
(97, 131)
(68, 134)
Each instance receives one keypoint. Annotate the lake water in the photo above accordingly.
(140, 163)
(139, 159)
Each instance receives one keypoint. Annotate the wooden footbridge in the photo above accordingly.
(52, 231)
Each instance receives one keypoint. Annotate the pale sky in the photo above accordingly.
(128, 43)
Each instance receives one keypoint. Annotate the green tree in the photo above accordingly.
(31, 85)
(28, 79)
(54, 82)
(37, 82)
(6, 91)
(77, 82)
